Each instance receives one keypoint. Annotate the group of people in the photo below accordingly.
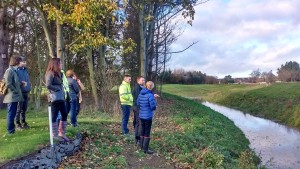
(64, 95)
(18, 85)
(143, 103)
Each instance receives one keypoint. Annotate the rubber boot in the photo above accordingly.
(141, 142)
(146, 146)
(55, 132)
(62, 130)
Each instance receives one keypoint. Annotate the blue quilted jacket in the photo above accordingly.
(147, 104)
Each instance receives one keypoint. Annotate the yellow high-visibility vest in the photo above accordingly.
(125, 94)
(65, 83)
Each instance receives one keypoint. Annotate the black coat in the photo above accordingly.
(135, 93)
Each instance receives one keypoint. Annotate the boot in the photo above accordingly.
(141, 142)
(146, 146)
(25, 125)
(62, 130)
(55, 132)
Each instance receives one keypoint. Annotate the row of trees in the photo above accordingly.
(288, 72)
(100, 40)
(180, 76)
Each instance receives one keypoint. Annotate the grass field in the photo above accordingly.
(279, 102)
(185, 134)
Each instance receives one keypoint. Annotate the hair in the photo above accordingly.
(23, 58)
(126, 75)
(139, 77)
(150, 85)
(70, 73)
(15, 60)
(54, 67)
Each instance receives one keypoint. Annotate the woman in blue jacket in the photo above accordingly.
(147, 104)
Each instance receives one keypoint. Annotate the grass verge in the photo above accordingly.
(278, 102)
(185, 134)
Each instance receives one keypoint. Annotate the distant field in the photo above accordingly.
(279, 102)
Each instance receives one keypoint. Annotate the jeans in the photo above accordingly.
(56, 107)
(73, 107)
(136, 112)
(145, 127)
(11, 114)
(125, 118)
(21, 110)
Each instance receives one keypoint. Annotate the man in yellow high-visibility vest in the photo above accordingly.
(126, 100)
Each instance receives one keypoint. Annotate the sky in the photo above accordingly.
(236, 37)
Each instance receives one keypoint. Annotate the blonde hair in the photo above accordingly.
(70, 73)
(150, 85)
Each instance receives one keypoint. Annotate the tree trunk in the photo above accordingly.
(4, 31)
(38, 87)
(142, 42)
(156, 54)
(47, 33)
(149, 40)
(59, 42)
(164, 62)
(89, 57)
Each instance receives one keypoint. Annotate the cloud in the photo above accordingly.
(238, 36)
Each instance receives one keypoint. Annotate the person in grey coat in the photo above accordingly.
(25, 87)
(73, 92)
(54, 84)
(14, 94)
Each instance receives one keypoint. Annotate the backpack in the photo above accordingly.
(3, 87)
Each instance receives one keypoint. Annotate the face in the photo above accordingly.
(22, 63)
(141, 81)
(127, 79)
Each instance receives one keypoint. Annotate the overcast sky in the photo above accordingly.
(239, 36)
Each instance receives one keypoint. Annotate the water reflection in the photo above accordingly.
(272, 141)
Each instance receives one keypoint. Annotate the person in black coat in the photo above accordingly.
(140, 82)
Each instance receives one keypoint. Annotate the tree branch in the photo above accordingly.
(180, 50)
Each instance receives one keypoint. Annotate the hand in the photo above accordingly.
(156, 95)
(24, 83)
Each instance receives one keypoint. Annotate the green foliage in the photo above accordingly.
(213, 159)
(228, 79)
(247, 160)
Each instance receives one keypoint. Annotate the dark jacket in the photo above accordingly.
(73, 88)
(147, 104)
(14, 93)
(55, 86)
(135, 93)
(24, 76)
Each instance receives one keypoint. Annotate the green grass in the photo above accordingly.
(204, 139)
(25, 141)
(279, 102)
(184, 132)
